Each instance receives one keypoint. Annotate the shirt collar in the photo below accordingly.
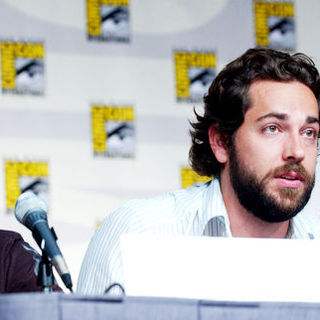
(215, 220)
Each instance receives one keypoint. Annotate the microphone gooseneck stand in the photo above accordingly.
(45, 278)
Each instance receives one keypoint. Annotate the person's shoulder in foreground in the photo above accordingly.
(258, 135)
(18, 264)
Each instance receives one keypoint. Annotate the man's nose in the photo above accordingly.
(293, 148)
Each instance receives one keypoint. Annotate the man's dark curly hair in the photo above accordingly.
(227, 100)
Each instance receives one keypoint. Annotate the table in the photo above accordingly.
(59, 306)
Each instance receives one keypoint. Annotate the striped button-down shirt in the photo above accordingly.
(194, 211)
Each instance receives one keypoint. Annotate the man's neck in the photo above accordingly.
(244, 223)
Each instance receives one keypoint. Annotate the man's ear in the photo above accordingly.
(217, 145)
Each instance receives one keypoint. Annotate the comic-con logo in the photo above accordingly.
(274, 24)
(113, 131)
(22, 67)
(108, 20)
(194, 73)
(190, 178)
(21, 176)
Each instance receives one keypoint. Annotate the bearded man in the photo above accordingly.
(258, 138)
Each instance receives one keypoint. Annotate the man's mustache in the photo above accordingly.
(297, 168)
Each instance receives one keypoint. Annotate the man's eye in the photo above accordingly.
(271, 129)
(310, 133)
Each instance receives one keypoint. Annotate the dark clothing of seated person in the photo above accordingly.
(19, 264)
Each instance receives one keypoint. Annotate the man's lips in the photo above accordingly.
(290, 179)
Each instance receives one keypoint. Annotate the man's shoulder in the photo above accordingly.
(7, 236)
(12, 242)
(169, 199)
(159, 210)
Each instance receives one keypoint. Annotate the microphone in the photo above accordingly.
(31, 211)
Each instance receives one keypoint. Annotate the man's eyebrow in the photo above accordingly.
(280, 116)
(284, 116)
(312, 120)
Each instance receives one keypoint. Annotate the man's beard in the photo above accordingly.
(253, 194)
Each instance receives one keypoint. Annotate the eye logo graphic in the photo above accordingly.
(274, 24)
(113, 131)
(21, 176)
(108, 20)
(22, 67)
(194, 72)
(190, 177)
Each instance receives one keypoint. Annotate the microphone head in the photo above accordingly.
(27, 203)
